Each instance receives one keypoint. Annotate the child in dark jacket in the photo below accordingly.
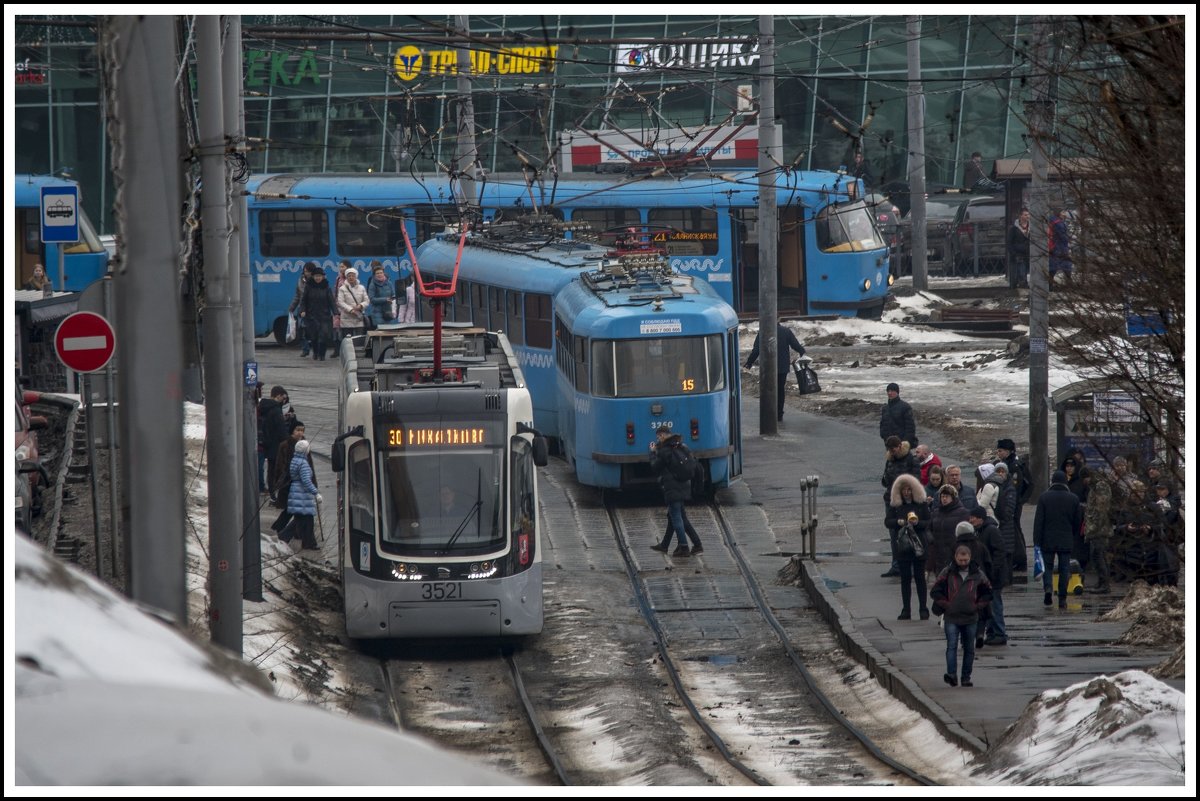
(962, 593)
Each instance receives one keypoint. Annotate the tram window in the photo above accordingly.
(638, 368)
(579, 352)
(693, 232)
(479, 312)
(537, 320)
(294, 233)
(462, 301)
(847, 226)
(362, 505)
(522, 506)
(515, 331)
(562, 350)
(607, 219)
(367, 233)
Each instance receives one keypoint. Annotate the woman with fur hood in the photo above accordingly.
(908, 508)
(899, 459)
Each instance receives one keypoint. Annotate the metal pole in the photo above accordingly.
(466, 156)
(239, 261)
(90, 425)
(62, 267)
(145, 158)
(220, 356)
(114, 527)
(768, 234)
(916, 157)
(1040, 112)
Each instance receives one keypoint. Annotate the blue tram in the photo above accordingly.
(832, 258)
(612, 347)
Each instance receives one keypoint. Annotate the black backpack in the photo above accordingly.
(682, 464)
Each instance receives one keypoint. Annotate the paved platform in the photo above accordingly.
(1048, 648)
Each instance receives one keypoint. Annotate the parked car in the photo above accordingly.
(978, 243)
(940, 210)
(31, 475)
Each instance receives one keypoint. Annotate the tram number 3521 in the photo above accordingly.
(441, 591)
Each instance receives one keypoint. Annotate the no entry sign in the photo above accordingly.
(85, 342)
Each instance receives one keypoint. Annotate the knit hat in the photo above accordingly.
(1000, 467)
(985, 470)
(352, 271)
(302, 447)
(1006, 444)
(963, 528)
(893, 387)
(1059, 477)
(979, 512)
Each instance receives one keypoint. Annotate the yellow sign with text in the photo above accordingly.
(409, 62)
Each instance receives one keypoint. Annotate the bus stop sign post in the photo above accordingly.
(60, 221)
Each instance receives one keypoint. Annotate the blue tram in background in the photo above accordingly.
(832, 258)
(612, 346)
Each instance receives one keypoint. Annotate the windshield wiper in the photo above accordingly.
(463, 525)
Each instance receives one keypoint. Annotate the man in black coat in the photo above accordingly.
(1022, 482)
(786, 339)
(897, 418)
(273, 428)
(676, 490)
(1059, 515)
(987, 531)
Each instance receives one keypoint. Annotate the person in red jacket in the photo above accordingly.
(962, 593)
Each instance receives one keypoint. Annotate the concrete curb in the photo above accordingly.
(903, 688)
(64, 465)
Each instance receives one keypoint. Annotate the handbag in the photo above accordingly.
(910, 544)
(291, 334)
(1039, 564)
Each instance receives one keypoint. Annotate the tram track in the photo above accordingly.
(734, 605)
(473, 699)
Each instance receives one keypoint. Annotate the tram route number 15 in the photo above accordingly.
(441, 591)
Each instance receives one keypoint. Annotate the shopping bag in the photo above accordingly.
(291, 329)
(806, 377)
(1039, 565)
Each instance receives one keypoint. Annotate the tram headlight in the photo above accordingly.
(891, 279)
(866, 285)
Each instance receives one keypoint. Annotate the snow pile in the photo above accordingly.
(1126, 729)
(1157, 614)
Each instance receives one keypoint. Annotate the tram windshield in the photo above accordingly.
(847, 227)
(442, 499)
(639, 368)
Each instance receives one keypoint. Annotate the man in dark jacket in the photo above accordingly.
(667, 450)
(987, 531)
(309, 268)
(1059, 516)
(897, 418)
(1022, 482)
(899, 460)
(274, 430)
(963, 594)
(786, 340)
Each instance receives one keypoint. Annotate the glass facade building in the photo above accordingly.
(380, 93)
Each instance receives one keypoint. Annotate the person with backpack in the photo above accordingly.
(675, 466)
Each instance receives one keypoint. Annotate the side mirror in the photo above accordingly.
(540, 451)
(337, 455)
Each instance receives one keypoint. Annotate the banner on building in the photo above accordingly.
(601, 151)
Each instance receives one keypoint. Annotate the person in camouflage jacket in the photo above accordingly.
(1098, 528)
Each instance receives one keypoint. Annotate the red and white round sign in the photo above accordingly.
(85, 342)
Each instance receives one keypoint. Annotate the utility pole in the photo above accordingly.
(239, 265)
(466, 157)
(916, 157)
(145, 159)
(768, 233)
(1040, 113)
(221, 362)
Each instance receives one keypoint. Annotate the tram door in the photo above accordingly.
(792, 292)
(733, 370)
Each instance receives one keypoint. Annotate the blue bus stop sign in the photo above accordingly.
(60, 214)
